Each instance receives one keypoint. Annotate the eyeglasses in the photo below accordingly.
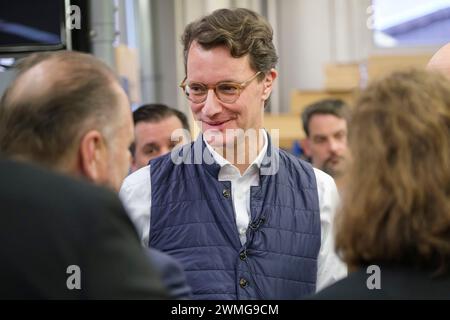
(227, 92)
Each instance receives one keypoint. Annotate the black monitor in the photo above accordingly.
(30, 25)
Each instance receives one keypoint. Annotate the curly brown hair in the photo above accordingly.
(396, 208)
(242, 31)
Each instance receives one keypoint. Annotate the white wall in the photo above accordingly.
(314, 33)
(166, 41)
(5, 79)
(304, 45)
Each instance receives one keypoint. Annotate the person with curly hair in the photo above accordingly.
(394, 227)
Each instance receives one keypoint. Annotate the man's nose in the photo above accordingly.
(335, 146)
(212, 105)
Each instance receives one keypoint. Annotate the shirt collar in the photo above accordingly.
(221, 161)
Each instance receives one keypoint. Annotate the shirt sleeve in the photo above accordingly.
(330, 267)
(135, 194)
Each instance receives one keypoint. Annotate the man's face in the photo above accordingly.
(214, 116)
(327, 143)
(153, 139)
(118, 156)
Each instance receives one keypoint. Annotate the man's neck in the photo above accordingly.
(243, 153)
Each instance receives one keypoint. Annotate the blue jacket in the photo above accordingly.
(192, 219)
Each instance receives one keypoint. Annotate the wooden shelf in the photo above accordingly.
(301, 98)
(289, 126)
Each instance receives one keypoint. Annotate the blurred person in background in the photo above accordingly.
(154, 125)
(325, 126)
(394, 227)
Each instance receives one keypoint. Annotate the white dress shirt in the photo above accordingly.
(136, 196)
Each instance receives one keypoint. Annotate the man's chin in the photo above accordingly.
(218, 138)
(222, 144)
(333, 170)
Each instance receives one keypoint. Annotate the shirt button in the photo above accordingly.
(243, 283)
(243, 255)
(226, 193)
(242, 231)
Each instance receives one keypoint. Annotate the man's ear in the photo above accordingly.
(306, 146)
(268, 83)
(92, 155)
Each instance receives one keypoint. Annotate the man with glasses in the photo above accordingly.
(245, 219)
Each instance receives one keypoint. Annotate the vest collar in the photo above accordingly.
(269, 164)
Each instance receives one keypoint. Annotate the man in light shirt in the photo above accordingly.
(245, 219)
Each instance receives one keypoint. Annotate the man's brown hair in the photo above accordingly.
(242, 31)
(335, 107)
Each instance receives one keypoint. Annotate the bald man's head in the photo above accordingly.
(441, 61)
(54, 101)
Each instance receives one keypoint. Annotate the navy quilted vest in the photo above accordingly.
(192, 219)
